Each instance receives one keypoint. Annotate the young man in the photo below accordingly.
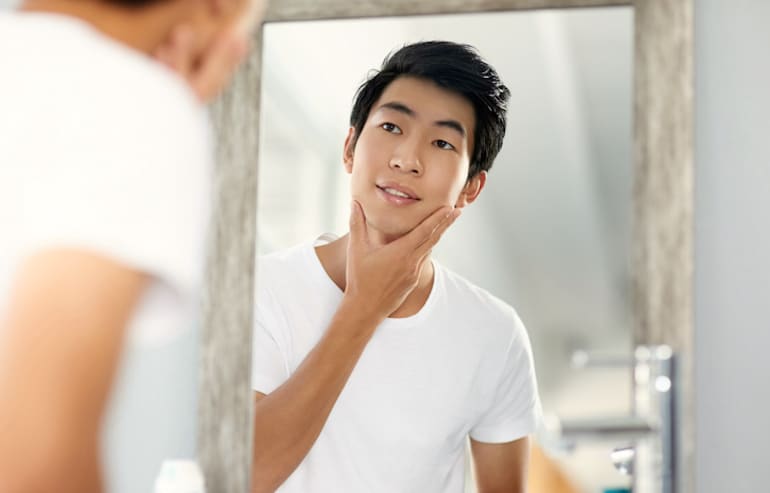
(104, 162)
(373, 364)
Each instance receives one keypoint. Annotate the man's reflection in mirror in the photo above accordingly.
(374, 364)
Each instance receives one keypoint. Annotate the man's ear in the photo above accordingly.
(472, 189)
(347, 153)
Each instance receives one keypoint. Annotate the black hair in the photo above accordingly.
(456, 67)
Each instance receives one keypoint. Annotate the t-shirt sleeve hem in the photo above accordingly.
(263, 384)
(505, 432)
(182, 280)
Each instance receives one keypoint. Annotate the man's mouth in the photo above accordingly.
(398, 191)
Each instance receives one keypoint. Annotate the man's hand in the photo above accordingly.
(207, 73)
(288, 420)
(381, 277)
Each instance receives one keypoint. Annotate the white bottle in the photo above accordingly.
(179, 476)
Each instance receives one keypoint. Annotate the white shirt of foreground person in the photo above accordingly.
(104, 150)
(462, 366)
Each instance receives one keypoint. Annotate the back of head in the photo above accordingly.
(458, 68)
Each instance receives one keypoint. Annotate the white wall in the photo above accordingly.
(732, 245)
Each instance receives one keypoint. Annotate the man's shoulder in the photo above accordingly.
(94, 72)
(463, 291)
(283, 262)
(150, 95)
(469, 300)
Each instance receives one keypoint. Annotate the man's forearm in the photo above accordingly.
(288, 421)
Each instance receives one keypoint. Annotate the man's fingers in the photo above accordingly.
(357, 223)
(218, 64)
(422, 231)
(424, 248)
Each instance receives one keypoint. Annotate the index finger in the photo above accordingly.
(423, 231)
(425, 247)
(357, 224)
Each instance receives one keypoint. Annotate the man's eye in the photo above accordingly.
(390, 127)
(443, 144)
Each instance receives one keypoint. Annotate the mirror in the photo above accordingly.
(551, 232)
(662, 217)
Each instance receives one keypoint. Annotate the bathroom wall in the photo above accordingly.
(732, 245)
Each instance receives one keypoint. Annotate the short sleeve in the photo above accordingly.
(269, 367)
(127, 177)
(515, 410)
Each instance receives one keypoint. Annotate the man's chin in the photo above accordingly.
(388, 231)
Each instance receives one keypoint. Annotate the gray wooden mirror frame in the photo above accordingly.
(663, 215)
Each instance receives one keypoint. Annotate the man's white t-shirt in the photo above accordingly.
(104, 150)
(462, 366)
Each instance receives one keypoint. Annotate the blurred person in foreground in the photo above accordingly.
(105, 155)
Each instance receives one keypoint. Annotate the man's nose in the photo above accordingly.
(406, 159)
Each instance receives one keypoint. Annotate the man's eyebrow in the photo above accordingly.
(402, 108)
(453, 124)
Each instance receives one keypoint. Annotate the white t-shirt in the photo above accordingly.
(104, 150)
(462, 366)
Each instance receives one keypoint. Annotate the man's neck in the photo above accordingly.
(333, 258)
(141, 28)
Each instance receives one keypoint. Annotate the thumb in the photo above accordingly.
(357, 223)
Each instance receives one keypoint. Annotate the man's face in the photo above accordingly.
(250, 15)
(212, 18)
(208, 40)
(412, 156)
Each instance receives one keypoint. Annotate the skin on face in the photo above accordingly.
(207, 53)
(250, 16)
(417, 140)
(216, 16)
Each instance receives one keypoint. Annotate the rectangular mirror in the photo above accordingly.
(551, 232)
(659, 182)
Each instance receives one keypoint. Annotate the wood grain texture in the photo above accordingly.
(663, 199)
(226, 400)
(301, 10)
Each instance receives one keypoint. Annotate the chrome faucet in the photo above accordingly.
(623, 459)
(648, 432)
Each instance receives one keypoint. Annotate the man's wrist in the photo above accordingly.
(357, 316)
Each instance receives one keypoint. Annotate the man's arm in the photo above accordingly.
(546, 475)
(288, 421)
(501, 467)
(59, 348)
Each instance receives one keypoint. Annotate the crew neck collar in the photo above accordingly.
(326, 283)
